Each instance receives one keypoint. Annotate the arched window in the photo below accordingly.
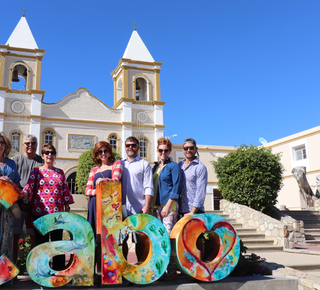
(19, 77)
(16, 141)
(49, 136)
(113, 140)
(71, 180)
(141, 89)
(143, 147)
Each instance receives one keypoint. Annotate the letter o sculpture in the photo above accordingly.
(225, 246)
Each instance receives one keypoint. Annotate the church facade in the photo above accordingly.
(74, 124)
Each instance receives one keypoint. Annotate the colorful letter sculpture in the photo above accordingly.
(82, 247)
(113, 231)
(226, 246)
(9, 194)
(7, 270)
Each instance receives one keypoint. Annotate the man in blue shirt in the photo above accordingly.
(194, 180)
(137, 190)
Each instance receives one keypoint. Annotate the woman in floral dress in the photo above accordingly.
(48, 191)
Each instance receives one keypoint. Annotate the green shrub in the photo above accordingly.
(251, 176)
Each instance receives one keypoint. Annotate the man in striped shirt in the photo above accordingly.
(194, 180)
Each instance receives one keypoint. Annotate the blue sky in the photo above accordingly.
(233, 70)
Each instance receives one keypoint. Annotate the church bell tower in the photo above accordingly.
(137, 92)
(20, 74)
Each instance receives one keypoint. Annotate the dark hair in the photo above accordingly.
(132, 139)
(165, 141)
(48, 146)
(97, 146)
(8, 144)
(190, 140)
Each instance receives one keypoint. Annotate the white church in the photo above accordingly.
(79, 120)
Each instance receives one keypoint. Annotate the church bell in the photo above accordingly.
(15, 77)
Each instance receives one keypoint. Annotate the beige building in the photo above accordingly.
(301, 149)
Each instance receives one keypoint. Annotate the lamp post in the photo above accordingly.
(175, 135)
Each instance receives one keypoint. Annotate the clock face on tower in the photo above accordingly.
(17, 107)
(142, 117)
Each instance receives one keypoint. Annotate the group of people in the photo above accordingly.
(167, 191)
(44, 190)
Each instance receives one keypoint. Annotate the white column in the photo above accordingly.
(126, 129)
(158, 114)
(35, 122)
(2, 98)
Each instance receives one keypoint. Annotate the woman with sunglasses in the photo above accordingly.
(48, 191)
(167, 184)
(9, 173)
(108, 169)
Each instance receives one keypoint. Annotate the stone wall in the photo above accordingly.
(285, 232)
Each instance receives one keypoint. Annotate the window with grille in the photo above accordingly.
(15, 142)
(48, 137)
(299, 153)
(113, 141)
(143, 147)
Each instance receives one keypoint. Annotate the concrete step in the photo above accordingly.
(313, 243)
(261, 248)
(311, 221)
(312, 226)
(292, 212)
(253, 242)
(250, 235)
(314, 237)
(246, 230)
(312, 231)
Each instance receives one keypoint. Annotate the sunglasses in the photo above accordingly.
(103, 151)
(49, 152)
(163, 150)
(2, 143)
(132, 145)
(190, 147)
(30, 143)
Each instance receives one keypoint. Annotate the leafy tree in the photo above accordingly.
(84, 167)
(251, 176)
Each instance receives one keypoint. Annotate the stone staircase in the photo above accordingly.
(254, 241)
(311, 220)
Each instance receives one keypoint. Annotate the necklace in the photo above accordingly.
(102, 175)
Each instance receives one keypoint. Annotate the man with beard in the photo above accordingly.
(137, 189)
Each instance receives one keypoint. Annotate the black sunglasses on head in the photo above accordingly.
(188, 147)
(30, 143)
(49, 152)
(132, 145)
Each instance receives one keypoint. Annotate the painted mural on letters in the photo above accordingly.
(113, 231)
